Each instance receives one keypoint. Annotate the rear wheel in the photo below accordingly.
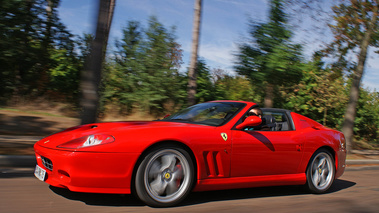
(165, 177)
(320, 172)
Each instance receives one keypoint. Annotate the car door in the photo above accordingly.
(272, 152)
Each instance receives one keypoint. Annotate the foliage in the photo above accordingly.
(269, 59)
(233, 87)
(31, 39)
(205, 87)
(351, 23)
(19, 42)
(367, 121)
(122, 76)
(319, 95)
(355, 30)
(218, 85)
(145, 73)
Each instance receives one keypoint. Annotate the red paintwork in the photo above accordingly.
(245, 159)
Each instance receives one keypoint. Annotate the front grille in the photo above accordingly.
(47, 163)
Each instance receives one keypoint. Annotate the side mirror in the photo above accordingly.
(250, 121)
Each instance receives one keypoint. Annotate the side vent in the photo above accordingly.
(213, 164)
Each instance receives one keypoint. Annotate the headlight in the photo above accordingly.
(89, 140)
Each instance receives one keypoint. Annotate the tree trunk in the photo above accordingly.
(325, 115)
(269, 96)
(91, 75)
(351, 110)
(195, 47)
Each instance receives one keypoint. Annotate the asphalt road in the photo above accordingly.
(355, 191)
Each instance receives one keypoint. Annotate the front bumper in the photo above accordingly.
(92, 172)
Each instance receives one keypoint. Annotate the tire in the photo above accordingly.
(320, 172)
(165, 177)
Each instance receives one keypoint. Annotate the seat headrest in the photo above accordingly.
(268, 119)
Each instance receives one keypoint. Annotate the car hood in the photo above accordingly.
(112, 128)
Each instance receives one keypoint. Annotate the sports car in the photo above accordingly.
(209, 146)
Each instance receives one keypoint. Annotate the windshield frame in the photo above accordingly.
(183, 116)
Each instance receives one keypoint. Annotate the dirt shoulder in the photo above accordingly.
(19, 130)
(37, 123)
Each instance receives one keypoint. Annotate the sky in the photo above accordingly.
(224, 24)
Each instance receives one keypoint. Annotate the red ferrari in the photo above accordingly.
(209, 146)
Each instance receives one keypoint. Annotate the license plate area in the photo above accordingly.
(40, 173)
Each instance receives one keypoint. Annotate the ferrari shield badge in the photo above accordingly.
(224, 136)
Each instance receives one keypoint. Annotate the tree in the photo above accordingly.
(354, 32)
(31, 38)
(367, 119)
(145, 73)
(92, 74)
(206, 89)
(19, 42)
(64, 75)
(194, 54)
(122, 81)
(232, 87)
(54, 38)
(269, 59)
(319, 95)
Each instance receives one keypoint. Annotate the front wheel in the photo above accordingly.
(320, 172)
(165, 177)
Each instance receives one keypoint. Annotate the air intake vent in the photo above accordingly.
(213, 164)
(47, 163)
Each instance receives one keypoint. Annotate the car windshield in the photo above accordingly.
(213, 113)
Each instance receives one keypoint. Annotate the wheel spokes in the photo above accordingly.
(316, 177)
(322, 179)
(172, 187)
(178, 173)
(168, 162)
(158, 186)
(321, 162)
(155, 170)
(156, 173)
(315, 169)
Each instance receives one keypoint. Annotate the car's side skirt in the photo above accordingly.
(248, 182)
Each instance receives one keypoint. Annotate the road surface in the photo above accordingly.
(355, 191)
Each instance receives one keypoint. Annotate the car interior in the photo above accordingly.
(272, 121)
(276, 121)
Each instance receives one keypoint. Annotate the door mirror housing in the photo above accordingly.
(250, 121)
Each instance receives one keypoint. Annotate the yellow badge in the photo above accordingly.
(224, 136)
(167, 175)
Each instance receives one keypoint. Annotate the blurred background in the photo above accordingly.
(307, 56)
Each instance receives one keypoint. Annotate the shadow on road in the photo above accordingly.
(98, 199)
(197, 197)
(339, 185)
(276, 191)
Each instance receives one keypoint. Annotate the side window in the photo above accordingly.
(272, 120)
(276, 121)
